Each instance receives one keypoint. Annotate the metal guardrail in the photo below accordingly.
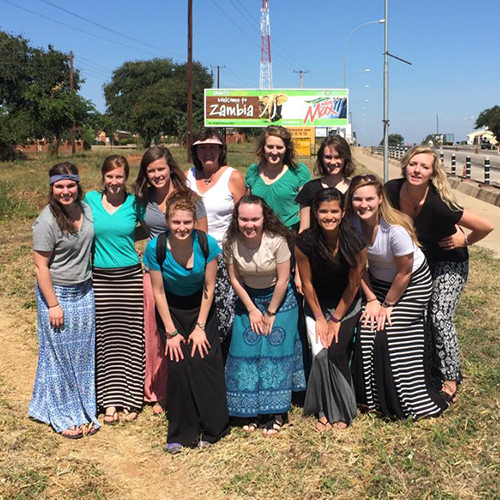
(397, 152)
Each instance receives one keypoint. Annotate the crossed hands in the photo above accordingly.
(327, 331)
(261, 323)
(199, 340)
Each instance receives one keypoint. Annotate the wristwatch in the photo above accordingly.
(201, 325)
(269, 313)
(386, 304)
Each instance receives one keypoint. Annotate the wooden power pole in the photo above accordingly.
(72, 86)
(189, 74)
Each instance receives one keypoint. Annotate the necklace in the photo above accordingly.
(209, 180)
(416, 205)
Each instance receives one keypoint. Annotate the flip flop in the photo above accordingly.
(273, 426)
(250, 427)
(72, 436)
(130, 415)
(89, 429)
(114, 419)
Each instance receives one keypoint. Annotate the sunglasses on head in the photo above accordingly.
(366, 178)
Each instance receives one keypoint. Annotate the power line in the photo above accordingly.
(88, 61)
(79, 29)
(47, 2)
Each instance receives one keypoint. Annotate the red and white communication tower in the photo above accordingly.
(266, 70)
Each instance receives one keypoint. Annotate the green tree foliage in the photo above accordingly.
(150, 98)
(35, 96)
(490, 118)
(394, 140)
(436, 139)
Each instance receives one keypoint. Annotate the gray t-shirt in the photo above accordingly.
(155, 218)
(70, 260)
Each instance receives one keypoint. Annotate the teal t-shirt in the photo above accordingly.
(281, 194)
(114, 234)
(177, 279)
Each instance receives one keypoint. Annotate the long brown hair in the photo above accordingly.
(112, 162)
(66, 225)
(177, 176)
(387, 212)
(283, 134)
(439, 178)
(272, 225)
(342, 147)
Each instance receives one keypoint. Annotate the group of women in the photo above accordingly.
(212, 329)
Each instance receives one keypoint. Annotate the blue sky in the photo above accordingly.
(452, 44)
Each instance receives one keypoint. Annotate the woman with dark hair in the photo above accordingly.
(391, 372)
(183, 265)
(117, 280)
(334, 165)
(64, 391)
(159, 176)
(424, 195)
(277, 178)
(331, 257)
(220, 187)
(265, 362)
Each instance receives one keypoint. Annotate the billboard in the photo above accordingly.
(286, 107)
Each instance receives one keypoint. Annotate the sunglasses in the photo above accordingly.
(364, 178)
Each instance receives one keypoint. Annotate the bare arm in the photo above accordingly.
(283, 277)
(305, 218)
(479, 227)
(44, 280)
(237, 185)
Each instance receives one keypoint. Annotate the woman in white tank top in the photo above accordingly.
(220, 187)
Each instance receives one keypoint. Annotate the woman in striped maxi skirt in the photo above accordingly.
(117, 277)
(390, 368)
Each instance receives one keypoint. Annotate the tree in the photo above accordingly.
(150, 97)
(35, 96)
(490, 118)
(434, 138)
(394, 140)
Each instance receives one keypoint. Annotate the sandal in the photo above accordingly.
(323, 425)
(158, 408)
(89, 429)
(111, 418)
(273, 425)
(250, 427)
(78, 435)
(339, 425)
(449, 395)
(130, 415)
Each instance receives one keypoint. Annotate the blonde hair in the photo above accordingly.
(439, 178)
(387, 212)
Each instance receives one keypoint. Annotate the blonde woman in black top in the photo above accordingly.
(423, 193)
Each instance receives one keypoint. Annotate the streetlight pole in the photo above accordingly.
(386, 92)
(189, 77)
(380, 21)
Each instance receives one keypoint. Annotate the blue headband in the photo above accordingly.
(63, 177)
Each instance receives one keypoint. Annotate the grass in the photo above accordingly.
(456, 456)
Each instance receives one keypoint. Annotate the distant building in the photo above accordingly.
(479, 136)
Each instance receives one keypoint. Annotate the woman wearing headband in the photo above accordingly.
(64, 391)
(390, 369)
(424, 195)
(220, 188)
(117, 280)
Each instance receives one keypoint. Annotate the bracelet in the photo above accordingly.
(467, 244)
(55, 305)
(269, 313)
(172, 335)
(371, 300)
(333, 319)
(201, 325)
(316, 316)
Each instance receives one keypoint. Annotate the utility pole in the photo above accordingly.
(72, 86)
(218, 75)
(301, 76)
(189, 76)
(386, 92)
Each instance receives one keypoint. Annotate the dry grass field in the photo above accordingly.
(456, 456)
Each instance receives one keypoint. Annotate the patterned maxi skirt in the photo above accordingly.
(262, 371)
(64, 391)
(119, 337)
(391, 371)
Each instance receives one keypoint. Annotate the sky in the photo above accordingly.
(451, 44)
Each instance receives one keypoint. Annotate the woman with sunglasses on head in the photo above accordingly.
(277, 178)
(424, 195)
(64, 391)
(265, 362)
(334, 165)
(220, 187)
(183, 266)
(331, 257)
(159, 176)
(390, 370)
(118, 287)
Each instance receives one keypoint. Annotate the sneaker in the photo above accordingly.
(174, 448)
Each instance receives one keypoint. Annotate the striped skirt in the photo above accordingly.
(391, 372)
(119, 337)
(64, 391)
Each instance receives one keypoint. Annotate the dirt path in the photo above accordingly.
(130, 455)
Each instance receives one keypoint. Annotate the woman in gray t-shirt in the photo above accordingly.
(64, 391)
(159, 176)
